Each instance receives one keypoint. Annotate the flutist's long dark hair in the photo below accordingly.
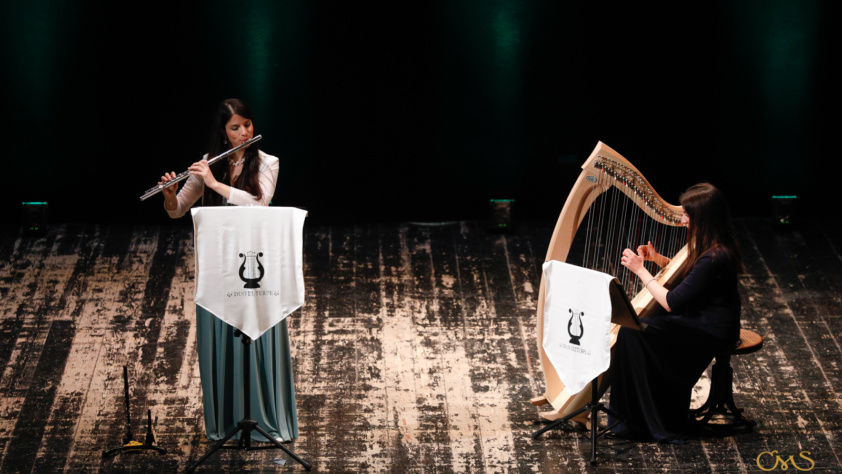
(248, 179)
(710, 224)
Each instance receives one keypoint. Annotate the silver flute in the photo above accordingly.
(182, 176)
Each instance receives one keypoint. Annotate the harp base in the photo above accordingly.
(555, 414)
(539, 401)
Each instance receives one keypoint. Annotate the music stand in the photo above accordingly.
(623, 314)
(594, 407)
(247, 425)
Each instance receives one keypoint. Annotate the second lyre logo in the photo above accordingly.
(575, 327)
(251, 270)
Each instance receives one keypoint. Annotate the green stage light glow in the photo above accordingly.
(269, 49)
(506, 27)
(35, 36)
(779, 41)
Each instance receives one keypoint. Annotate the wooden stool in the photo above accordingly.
(721, 396)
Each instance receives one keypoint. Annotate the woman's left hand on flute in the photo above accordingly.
(202, 170)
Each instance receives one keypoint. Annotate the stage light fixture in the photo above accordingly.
(784, 210)
(35, 217)
(501, 214)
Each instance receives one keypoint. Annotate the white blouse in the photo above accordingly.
(194, 187)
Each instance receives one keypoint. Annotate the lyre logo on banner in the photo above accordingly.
(575, 320)
(251, 270)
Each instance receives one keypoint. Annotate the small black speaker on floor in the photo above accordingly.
(34, 218)
(784, 210)
(501, 214)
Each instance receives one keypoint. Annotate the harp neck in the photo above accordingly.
(604, 169)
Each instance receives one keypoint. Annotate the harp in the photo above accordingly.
(611, 207)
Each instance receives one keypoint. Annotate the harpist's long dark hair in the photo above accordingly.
(248, 179)
(710, 224)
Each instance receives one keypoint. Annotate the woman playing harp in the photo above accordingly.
(654, 371)
(611, 207)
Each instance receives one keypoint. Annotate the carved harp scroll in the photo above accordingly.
(605, 170)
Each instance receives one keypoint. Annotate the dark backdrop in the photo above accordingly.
(400, 111)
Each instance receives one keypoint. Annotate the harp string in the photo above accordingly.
(615, 222)
(607, 267)
(628, 210)
(598, 244)
(589, 227)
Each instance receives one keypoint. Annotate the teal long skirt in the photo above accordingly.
(221, 371)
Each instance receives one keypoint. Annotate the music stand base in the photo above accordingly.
(246, 425)
(594, 407)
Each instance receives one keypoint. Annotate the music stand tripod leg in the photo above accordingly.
(246, 425)
(594, 407)
(219, 445)
(281, 446)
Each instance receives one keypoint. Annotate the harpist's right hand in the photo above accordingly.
(647, 251)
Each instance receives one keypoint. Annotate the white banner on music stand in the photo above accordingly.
(249, 264)
(577, 322)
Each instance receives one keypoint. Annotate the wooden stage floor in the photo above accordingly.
(415, 352)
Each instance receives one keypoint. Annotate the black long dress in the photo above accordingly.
(653, 371)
